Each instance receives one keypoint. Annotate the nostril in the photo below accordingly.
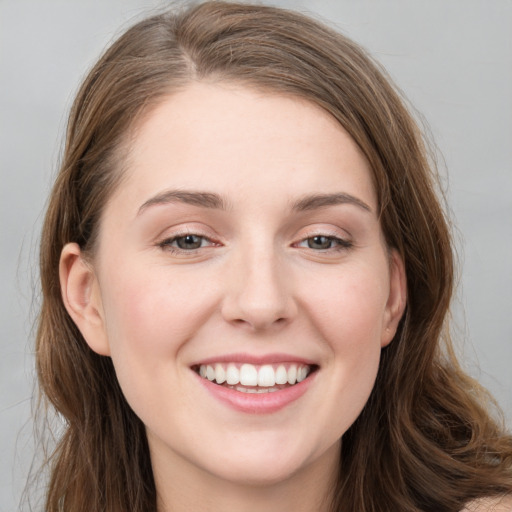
(260, 323)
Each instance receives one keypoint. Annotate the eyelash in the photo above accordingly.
(336, 244)
(167, 243)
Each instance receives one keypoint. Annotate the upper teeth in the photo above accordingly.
(246, 374)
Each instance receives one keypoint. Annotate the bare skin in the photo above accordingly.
(264, 278)
(179, 492)
(500, 504)
(246, 229)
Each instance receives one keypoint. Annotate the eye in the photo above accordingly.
(187, 242)
(324, 243)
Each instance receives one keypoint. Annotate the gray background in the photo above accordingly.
(453, 59)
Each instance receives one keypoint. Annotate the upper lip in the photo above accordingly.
(255, 359)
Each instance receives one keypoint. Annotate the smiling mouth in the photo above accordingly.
(250, 378)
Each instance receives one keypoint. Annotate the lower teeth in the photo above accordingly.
(253, 390)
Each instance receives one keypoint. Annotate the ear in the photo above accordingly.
(81, 296)
(397, 298)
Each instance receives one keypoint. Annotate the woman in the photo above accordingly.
(246, 275)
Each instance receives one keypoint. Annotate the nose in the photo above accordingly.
(259, 292)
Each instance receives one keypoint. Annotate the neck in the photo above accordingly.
(184, 487)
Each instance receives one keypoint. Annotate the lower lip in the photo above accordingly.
(258, 403)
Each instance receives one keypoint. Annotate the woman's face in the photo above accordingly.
(242, 285)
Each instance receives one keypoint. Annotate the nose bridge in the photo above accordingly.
(259, 294)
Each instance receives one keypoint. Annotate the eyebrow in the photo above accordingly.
(216, 201)
(316, 201)
(201, 199)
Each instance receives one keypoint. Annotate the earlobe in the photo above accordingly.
(81, 296)
(397, 298)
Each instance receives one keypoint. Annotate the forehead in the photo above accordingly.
(234, 140)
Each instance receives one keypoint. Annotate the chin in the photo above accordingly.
(269, 466)
(260, 474)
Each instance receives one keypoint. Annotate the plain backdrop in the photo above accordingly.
(453, 60)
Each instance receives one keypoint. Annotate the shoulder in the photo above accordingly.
(500, 504)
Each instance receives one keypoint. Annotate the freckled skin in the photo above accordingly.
(254, 286)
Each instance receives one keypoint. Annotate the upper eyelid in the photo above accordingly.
(339, 233)
(177, 232)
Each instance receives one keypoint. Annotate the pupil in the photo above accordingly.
(189, 242)
(319, 242)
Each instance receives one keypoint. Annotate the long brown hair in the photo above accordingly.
(424, 441)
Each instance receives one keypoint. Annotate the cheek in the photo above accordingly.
(349, 308)
(150, 315)
(349, 315)
(151, 311)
